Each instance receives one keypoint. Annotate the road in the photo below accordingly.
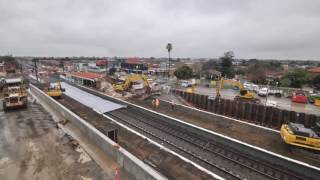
(31, 147)
(282, 103)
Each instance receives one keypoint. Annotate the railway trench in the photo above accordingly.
(168, 164)
(232, 164)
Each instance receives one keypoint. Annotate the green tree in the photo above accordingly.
(112, 71)
(285, 82)
(226, 67)
(211, 64)
(257, 74)
(296, 78)
(316, 82)
(183, 72)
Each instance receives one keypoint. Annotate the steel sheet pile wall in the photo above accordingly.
(255, 113)
(126, 160)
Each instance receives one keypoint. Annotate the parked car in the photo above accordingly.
(275, 92)
(186, 84)
(161, 81)
(299, 97)
(263, 92)
(313, 97)
(212, 97)
(251, 87)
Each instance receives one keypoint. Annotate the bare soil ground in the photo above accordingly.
(169, 165)
(31, 147)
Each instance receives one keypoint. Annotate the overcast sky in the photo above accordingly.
(197, 28)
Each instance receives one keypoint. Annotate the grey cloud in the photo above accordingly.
(197, 28)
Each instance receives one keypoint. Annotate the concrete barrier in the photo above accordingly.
(126, 160)
(256, 152)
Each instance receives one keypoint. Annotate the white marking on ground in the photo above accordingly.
(85, 178)
(4, 161)
(84, 157)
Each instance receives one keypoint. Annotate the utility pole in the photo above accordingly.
(106, 66)
(35, 67)
(169, 48)
(267, 92)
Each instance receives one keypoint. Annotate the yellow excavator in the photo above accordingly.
(54, 90)
(133, 81)
(299, 135)
(191, 89)
(244, 95)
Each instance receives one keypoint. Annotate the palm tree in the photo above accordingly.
(169, 48)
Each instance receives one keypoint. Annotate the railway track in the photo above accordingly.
(227, 163)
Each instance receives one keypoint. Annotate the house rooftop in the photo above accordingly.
(314, 70)
(86, 75)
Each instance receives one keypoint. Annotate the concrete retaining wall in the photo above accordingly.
(258, 153)
(127, 161)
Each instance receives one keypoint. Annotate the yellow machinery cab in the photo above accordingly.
(55, 90)
(14, 94)
(191, 89)
(299, 135)
(244, 94)
(317, 102)
(130, 81)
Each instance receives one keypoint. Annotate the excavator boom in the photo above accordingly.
(243, 93)
(127, 85)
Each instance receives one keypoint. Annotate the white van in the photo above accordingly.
(185, 83)
(263, 92)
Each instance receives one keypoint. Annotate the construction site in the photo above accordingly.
(160, 90)
(72, 124)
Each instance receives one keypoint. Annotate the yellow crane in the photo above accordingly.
(244, 95)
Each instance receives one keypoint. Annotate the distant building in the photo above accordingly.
(134, 65)
(159, 68)
(102, 63)
(285, 67)
(2, 70)
(84, 78)
(212, 74)
(314, 70)
(113, 63)
(97, 67)
(81, 67)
